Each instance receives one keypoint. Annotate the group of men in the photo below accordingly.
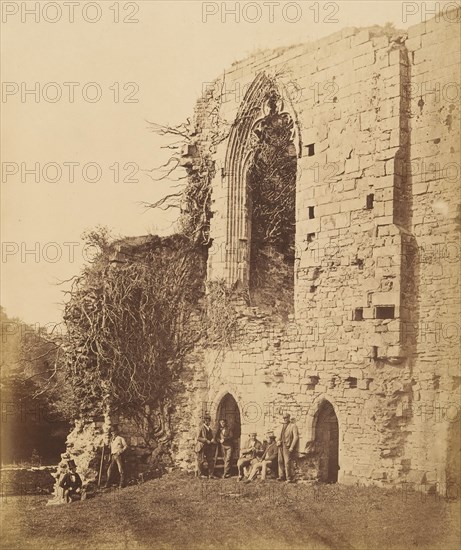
(255, 458)
(71, 482)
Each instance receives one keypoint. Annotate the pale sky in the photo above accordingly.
(168, 54)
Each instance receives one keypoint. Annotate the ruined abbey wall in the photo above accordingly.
(435, 225)
(375, 330)
(374, 335)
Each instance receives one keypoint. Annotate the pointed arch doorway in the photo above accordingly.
(327, 443)
(229, 410)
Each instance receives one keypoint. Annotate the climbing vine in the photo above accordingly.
(221, 318)
(129, 324)
(272, 193)
(137, 310)
(194, 147)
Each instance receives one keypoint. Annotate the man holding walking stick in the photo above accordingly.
(204, 448)
(118, 447)
(224, 438)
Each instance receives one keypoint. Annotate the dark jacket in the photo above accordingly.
(271, 452)
(227, 437)
(204, 434)
(71, 484)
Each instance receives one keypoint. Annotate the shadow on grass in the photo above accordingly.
(179, 511)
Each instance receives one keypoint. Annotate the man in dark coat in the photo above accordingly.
(224, 437)
(204, 447)
(71, 483)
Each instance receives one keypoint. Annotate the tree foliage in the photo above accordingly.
(32, 411)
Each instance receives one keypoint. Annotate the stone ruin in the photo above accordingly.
(361, 342)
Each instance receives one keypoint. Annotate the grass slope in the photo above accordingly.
(178, 512)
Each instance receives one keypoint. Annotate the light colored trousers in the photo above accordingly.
(243, 463)
(285, 463)
(116, 460)
(227, 458)
(257, 466)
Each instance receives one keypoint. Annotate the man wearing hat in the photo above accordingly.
(204, 447)
(117, 447)
(225, 437)
(286, 442)
(71, 483)
(249, 453)
(268, 459)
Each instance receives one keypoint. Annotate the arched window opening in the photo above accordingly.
(271, 185)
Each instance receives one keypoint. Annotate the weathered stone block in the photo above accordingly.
(360, 38)
(365, 124)
(335, 221)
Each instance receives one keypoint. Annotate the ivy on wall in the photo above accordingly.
(129, 323)
(272, 193)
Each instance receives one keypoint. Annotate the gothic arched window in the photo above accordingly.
(271, 188)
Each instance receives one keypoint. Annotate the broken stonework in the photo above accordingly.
(367, 362)
(376, 318)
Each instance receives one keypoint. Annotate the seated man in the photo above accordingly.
(71, 483)
(268, 459)
(248, 454)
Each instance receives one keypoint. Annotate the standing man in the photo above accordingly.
(287, 441)
(253, 449)
(224, 437)
(204, 447)
(118, 447)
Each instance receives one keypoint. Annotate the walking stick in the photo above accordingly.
(215, 456)
(220, 452)
(100, 466)
(214, 460)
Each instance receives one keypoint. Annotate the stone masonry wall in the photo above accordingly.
(385, 234)
(434, 170)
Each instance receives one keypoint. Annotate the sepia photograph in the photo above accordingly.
(230, 275)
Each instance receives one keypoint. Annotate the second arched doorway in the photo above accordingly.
(327, 443)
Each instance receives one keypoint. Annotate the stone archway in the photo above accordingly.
(271, 208)
(327, 442)
(263, 106)
(228, 408)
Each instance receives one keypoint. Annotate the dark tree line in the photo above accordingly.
(34, 423)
